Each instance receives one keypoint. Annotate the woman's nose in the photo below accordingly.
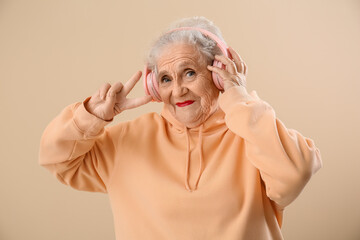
(179, 89)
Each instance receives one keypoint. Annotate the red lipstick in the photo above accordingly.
(183, 104)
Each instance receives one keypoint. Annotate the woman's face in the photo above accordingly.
(185, 84)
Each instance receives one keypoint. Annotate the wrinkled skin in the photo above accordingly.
(183, 76)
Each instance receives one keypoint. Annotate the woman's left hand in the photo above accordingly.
(235, 72)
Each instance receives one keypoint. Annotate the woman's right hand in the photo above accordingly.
(109, 100)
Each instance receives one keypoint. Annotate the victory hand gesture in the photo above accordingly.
(109, 100)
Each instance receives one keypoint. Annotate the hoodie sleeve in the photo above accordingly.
(77, 149)
(286, 159)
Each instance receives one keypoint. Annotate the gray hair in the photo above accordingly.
(206, 46)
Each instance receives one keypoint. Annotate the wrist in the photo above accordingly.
(86, 122)
(87, 106)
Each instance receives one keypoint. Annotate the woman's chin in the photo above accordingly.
(191, 120)
(190, 116)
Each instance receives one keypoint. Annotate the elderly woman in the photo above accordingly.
(210, 166)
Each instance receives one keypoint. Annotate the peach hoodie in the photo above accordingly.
(228, 179)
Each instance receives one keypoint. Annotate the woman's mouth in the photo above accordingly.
(183, 104)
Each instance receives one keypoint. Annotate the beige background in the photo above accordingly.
(303, 58)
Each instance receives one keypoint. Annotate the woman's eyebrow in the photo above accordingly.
(181, 66)
(163, 72)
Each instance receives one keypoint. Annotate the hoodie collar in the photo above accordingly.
(213, 123)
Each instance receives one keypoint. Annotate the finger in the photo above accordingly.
(136, 102)
(235, 55)
(112, 93)
(103, 90)
(240, 63)
(222, 72)
(254, 94)
(236, 58)
(131, 82)
(226, 76)
(230, 65)
(115, 89)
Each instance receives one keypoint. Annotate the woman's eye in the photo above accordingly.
(190, 73)
(165, 79)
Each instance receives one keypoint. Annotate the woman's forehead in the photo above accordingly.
(178, 56)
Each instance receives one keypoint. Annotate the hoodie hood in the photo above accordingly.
(215, 122)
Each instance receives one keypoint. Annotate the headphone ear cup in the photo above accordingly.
(154, 87)
(150, 85)
(145, 77)
(218, 81)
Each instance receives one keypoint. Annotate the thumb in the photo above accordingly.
(254, 94)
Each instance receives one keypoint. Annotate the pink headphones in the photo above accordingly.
(151, 86)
